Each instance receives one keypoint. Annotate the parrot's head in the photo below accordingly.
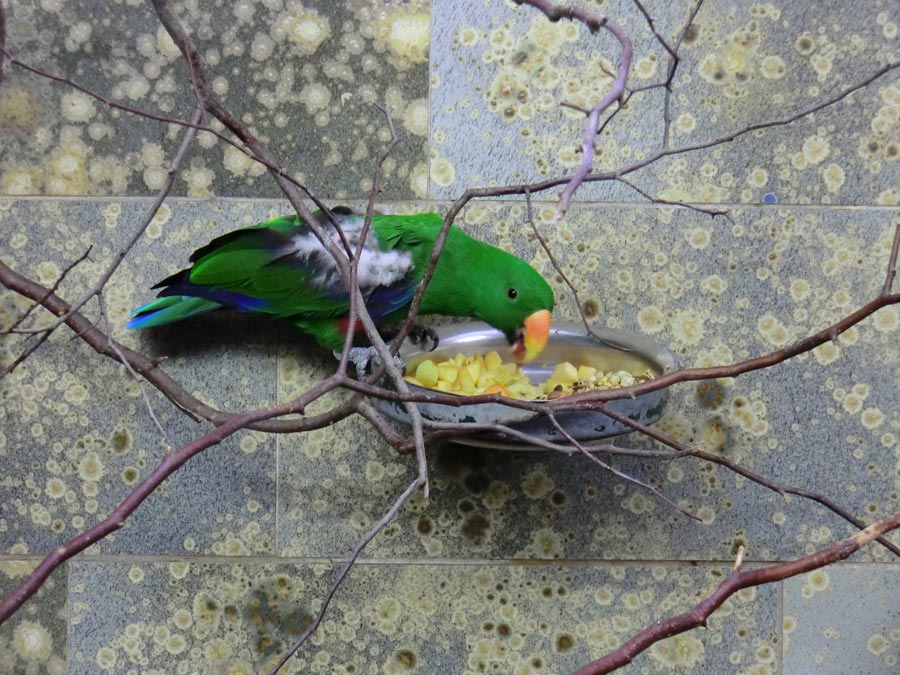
(516, 300)
(475, 279)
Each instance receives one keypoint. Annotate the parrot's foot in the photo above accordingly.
(422, 335)
(366, 360)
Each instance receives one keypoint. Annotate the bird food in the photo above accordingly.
(487, 374)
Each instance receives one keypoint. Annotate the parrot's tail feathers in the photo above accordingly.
(168, 309)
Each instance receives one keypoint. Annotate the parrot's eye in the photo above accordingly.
(512, 293)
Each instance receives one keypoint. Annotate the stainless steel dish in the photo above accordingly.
(568, 341)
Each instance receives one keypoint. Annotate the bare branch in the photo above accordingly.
(573, 106)
(692, 207)
(736, 581)
(559, 270)
(651, 22)
(757, 363)
(793, 490)
(594, 24)
(683, 450)
(540, 186)
(149, 368)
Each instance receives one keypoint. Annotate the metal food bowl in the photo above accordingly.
(569, 341)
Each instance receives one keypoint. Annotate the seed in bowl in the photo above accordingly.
(487, 374)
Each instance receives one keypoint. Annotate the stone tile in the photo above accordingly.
(751, 63)
(303, 77)
(189, 616)
(496, 79)
(715, 292)
(843, 619)
(77, 436)
(34, 639)
(499, 73)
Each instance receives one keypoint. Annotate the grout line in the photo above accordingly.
(277, 549)
(68, 618)
(445, 562)
(439, 201)
(438, 562)
(403, 560)
(780, 626)
(431, 55)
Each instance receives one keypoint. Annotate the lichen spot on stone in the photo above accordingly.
(407, 36)
(32, 642)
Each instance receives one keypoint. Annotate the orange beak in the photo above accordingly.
(537, 332)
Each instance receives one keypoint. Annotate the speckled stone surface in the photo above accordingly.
(302, 76)
(82, 437)
(499, 73)
(715, 292)
(843, 619)
(181, 617)
(519, 563)
(33, 641)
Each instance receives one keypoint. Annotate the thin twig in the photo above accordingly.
(684, 450)
(621, 474)
(345, 570)
(540, 186)
(149, 368)
(120, 255)
(892, 262)
(31, 349)
(651, 22)
(574, 106)
(692, 207)
(56, 284)
(793, 490)
(559, 269)
(674, 60)
(112, 345)
(412, 409)
(367, 223)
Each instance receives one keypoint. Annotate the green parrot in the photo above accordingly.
(279, 268)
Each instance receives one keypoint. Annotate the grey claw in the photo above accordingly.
(419, 335)
(366, 360)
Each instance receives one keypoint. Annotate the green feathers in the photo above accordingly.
(279, 268)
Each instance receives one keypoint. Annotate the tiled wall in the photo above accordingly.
(520, 562)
